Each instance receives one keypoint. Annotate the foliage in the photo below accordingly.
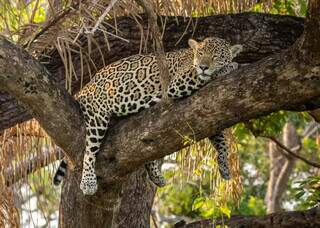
(309, 192)
(196, 188)
(273, 124)
(284, 7)
(20, 18)
(251, 205)
(47, 196)
(254, 164)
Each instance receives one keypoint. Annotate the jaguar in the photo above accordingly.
(133, 83)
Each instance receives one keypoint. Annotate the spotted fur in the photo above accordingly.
(219, 143)
(133, 83)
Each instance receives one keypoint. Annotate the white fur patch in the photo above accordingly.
(204, 77)
(156, 99)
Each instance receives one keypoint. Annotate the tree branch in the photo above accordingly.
(24, 168)
(30, 83)
(291, 153)
(302, 219)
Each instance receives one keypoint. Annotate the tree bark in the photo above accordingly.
(282, 81)
(280, 169)
(302, 219)
(130, 201)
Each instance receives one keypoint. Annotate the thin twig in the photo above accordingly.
(158, 47)
(291, 153)
(48, 25)
(101, 18)
(154, 220)
(26, 167)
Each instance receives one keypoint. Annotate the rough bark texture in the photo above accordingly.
(138, 202)
(30, 83)
(262, 35)
(301, 219)
(280, 169)
(282, 81)
(132, 202)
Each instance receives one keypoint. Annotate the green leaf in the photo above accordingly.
(299, 194)
(198, 203)
(226, 211)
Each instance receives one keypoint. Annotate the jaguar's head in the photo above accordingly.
(212, 54)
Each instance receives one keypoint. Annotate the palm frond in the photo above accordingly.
(9, 215)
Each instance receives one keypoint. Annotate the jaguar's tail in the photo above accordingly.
(60, 173)
(220, 144)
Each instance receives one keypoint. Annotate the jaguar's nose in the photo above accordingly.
(203, 67)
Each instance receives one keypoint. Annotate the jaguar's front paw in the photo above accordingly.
(89, 185)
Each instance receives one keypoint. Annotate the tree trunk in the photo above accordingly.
(276, 162)
(130, 203)
(280, 168)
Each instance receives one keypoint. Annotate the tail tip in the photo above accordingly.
(57, 180)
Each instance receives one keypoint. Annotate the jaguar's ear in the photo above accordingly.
(193, 44)
(236, 49)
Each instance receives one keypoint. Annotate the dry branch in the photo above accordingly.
(101, 18)
(291, 153)
(158, 45)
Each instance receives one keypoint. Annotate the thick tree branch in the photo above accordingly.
(301, 219)
(281, 81)
(262, 34)
(278, 82)
(30, 83)
(311, 45)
